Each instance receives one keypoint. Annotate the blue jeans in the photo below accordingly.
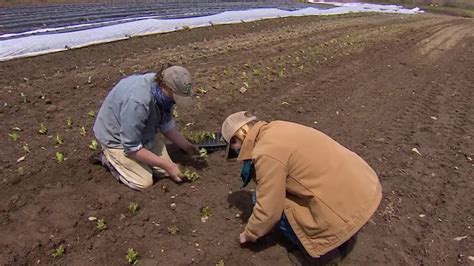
(284, 227)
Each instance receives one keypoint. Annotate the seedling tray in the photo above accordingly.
(211, 144)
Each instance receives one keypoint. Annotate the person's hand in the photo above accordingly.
(192, 150)
(174, 172)
(243, 238)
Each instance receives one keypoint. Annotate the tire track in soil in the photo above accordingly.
(415, 175)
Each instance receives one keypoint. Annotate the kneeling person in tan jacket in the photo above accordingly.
(316, 191)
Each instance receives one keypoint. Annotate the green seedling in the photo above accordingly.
(165, 188)
(203, 154)
(190, 175)
(59, 139)
(173, 230)
(220, 263)
(91, 113)
(69, 122)
(133, 207)
(26, 148)
(175, 113)
(94, 145)
(13, 136)
(132, 256)
(256, 72)
(101, 225)
(281, 74)
(202, 90)
(23, 96)
(59, 157)
(21, 170)
(82, 131)
(59, 252)
(42, 129)
(199, 136)
(206, 211)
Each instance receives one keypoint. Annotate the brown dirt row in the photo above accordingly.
(379, 84)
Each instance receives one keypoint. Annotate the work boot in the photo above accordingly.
(96, 158)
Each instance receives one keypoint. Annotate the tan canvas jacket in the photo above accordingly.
(326, 191)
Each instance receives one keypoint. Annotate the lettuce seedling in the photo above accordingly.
(190, 175)
(59, 139)
(59, 157)
(281, 74)
(21, 170)
(101, 225)
(133, 207)
(205, 213)
(203, 154)
(199, 136)
(26, 148)
(173, 230)
(42, 129)
(94, 145)
(59, 252)
(220, 263)
(13, 136)
(165, 188)
(82, 131)
(132, 256)
(69, 122)
(91, 113)
(202, 90)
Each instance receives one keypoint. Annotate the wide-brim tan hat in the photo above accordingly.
(232, 124)
(179, 80)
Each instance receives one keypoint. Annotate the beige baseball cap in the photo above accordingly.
(232, 124)
(178, 79)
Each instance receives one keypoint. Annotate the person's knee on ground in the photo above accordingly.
(131, 173)
(144, 184)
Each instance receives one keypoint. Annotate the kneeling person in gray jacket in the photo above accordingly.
(127, 126)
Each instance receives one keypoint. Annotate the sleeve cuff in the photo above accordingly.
(128, 150)
(251, 236)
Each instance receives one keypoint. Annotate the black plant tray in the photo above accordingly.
(212, 145)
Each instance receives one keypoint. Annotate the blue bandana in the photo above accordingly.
(164, 103)
(247, 171)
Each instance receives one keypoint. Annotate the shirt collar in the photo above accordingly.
(249, 142)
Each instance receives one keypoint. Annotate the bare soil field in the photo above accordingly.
(397, 90)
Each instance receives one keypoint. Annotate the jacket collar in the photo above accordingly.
(249, 142)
